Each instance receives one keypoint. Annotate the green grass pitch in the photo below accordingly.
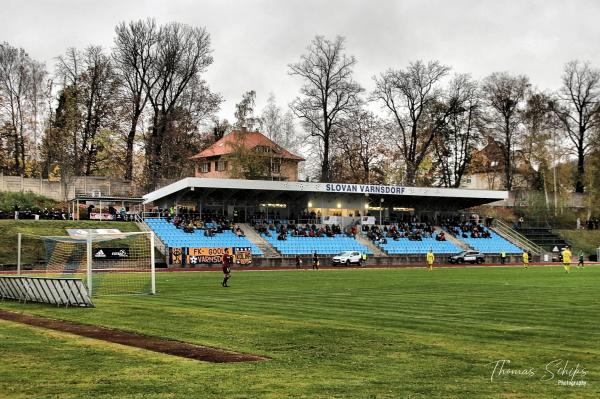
(366, 333)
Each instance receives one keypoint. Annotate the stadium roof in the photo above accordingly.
(265, 189)
(105, 198)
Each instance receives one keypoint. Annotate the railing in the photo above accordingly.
(157, 241)
(519, 239)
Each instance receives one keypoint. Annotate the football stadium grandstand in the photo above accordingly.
(283, 219)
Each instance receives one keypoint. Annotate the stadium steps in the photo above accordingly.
(268, 250)
(158, 244)
(459, 243)
(522, 240)
(544, 237)
(369, 244)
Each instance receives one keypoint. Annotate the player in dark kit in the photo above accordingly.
(315, 261)
(226, 261)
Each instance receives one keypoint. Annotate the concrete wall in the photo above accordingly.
(81, 185)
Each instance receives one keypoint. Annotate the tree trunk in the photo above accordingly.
(129, 150)
(16, 153)
(325, 165)
(579, 185)
(154, 151)
(507, 158)
(22, 146)
(411, 174)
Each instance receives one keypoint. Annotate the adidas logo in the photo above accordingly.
(100, 254)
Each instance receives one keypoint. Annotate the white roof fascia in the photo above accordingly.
(366, 189)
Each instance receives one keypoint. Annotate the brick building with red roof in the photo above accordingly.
(216, 160)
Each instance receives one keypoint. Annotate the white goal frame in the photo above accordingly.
(89, 241)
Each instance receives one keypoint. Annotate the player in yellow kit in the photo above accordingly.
(430, 259)
(525, 259)
(566, 255)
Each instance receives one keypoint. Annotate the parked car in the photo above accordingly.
(347, 258)
(467, 256)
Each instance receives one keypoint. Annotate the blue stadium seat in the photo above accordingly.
(174, 237)
(494, 245)
(321, 245)
(404, 246)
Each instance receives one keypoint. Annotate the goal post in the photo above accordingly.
(107, 263)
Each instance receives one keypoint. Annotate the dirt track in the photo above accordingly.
(156, 344)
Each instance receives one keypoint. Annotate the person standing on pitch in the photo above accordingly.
(581, 260)
(566, 255)
(315, 260)
(430, 259)
(503, 257)
(298, 261)
(226, 261)
(525, 259)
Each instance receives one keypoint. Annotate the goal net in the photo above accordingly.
(108, 263)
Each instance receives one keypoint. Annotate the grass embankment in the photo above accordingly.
(362, 333)
(24, 201)
(581, 240)
(10, 228)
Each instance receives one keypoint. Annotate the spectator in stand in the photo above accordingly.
(189, 228)
(90, 209)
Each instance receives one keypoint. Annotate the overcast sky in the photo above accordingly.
(255, 40)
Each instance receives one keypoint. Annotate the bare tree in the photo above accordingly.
(539, 122)
(328, 92)
(92, 85)
(361, 143)
(279, 126)
(183, 53)
(244, 111)
(459, 137)
(134, 56)
(579, 111)
(20, 81)
(409, 96)
(505, 97)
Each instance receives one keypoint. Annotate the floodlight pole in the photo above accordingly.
(152, 265)
(89, 263)
(18, 254)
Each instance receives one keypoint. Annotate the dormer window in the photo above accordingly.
(262, 149)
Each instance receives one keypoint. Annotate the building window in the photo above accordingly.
(262, 149)
(276, 168)
(205, 167)
(220, 166)
(468, 180)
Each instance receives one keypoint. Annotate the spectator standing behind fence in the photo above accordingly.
(578, 223)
